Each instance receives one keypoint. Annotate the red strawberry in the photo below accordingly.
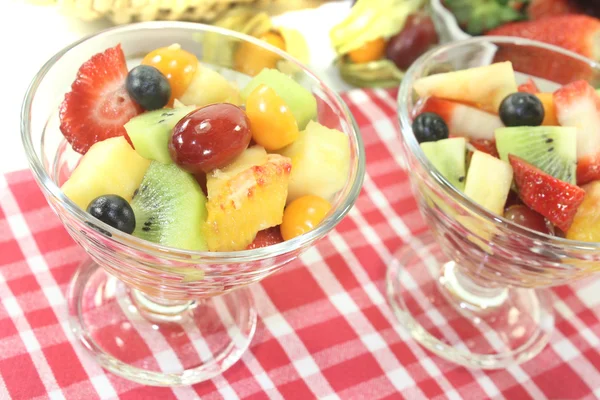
(578, 105)
(529, 87)
(266, 237)
(464, 120)
(487, 146)
(554, 199)
(539, 9)
(583, 36)
(98, 104)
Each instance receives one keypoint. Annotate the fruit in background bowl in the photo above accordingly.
(539, 146)
(379, 40)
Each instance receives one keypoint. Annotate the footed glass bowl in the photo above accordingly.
(150, 313)
(473, 289)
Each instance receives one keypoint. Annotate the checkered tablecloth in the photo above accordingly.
(325, 329)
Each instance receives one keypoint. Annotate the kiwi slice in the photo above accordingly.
(448, 157)
(170, 208)
(150, 132)
(301, 102)
(553, 149)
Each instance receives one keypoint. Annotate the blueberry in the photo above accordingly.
(148, 87)
(114, 211)
(429, 127)
(521, 109)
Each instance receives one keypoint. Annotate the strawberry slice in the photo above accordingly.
(554, 199)
(464, 120)
(578, 105)
(98, 104)
(529, 87)
(266, 237)
(487, 146)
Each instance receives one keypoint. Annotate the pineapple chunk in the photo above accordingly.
(486, 86)
(586, 224)
(244, 198)
(320, 162)
(488, 181)
(111, 166)
(209, 87)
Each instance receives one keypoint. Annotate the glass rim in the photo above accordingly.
(207, 257)
(405, 91)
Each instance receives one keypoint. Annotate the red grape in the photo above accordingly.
(417, 36)
(210, 137)
(525, 216)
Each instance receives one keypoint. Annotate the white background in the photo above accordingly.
(30, 35)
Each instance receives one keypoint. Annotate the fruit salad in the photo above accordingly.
(530, 156)
(175, 154)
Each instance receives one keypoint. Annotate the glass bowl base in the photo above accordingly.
(167, 344)
(477, 329)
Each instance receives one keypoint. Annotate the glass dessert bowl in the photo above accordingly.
(155, 314)
(474, 288)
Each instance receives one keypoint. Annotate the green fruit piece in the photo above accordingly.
(300, 101)
(488, 181)
(553, 149)
(170, 208)
(448, 157)
(150, 132)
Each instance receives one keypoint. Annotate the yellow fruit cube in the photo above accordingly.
(586, 224)
(244, 198)
(111, 166)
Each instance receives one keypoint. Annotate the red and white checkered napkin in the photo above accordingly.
(325, 328)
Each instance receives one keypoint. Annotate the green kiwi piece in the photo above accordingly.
(448, 157)
(553, 149)
(301, 102)
(150, 132)
(170, 208)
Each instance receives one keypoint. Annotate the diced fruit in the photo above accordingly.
(415, 38)
(170, 208)
(554, 199)
(538, 9)
(577, 105)
(266, 237)
(250, 59)
(272, 123)
(464, 120)
(553, 149)
(300, 101)
(586, 224)
(321, 162)
(303, 215)
(448, 157)
(429, 127)
(525, 216)
(150, 132)
(109, 167)
(210, 87)
(487, 146)
(239, 205)
(528, 87)
(176, 64)
(113, 210)
(210, 137)
(521, 109)
(98, 104)
(547, 100)
(488, 182)
(486, 86)
(148, 87)
(369, 51)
